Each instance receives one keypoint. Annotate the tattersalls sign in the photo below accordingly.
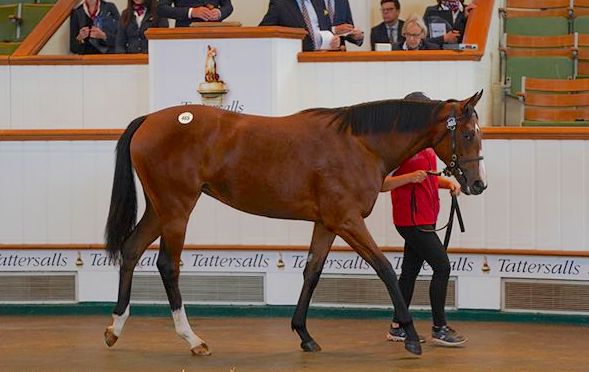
(462, 265)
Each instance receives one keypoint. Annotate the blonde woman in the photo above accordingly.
(414, 32)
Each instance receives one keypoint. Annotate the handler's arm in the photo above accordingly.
(450, 184)
(392, 182)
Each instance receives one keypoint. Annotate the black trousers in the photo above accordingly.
(419, 247)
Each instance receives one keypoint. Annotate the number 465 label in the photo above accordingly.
(185, 118)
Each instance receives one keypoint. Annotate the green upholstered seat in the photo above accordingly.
(581, 25)
(537, 67)
(537, 26)
(7, 48)
(31, 15)
(7, 26)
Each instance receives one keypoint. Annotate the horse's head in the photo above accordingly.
(458, 143)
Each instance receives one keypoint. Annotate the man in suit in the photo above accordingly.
(390, 30)
(187, 11)
(340, 15)
(308, 14)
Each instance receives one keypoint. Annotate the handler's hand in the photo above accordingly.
(417, 176)
(454, 187)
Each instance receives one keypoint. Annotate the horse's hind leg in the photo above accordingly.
(355, 233)
(320, 245)
(168, 263)
(146, 231)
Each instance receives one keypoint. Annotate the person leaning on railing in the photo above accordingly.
(312, 15)
(414, 32)
(93, 27)
(451, 15)
(135, 19)
(187, 11)
(340, 15)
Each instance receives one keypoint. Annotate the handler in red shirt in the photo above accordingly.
(414, 195)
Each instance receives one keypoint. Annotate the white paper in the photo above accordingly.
(326, 38)
(383, 47)
(437, 29)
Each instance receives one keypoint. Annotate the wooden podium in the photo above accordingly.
(257, 65)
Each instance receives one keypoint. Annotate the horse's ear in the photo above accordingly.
(472, 101)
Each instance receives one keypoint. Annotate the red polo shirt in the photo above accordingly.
(427, 200)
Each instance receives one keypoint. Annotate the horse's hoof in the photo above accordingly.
(109, 336)
(201, 349)
(310, 346)
(414, 347)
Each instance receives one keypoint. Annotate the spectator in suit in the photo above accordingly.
(452, 13)
(390, 29)
(311, 15)
(340, 15)
(135, 19)
(93, 27)
(187, 11)
(414, 32)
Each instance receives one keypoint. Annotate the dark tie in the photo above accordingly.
(308, 22)
(392, 35)
(331, 10)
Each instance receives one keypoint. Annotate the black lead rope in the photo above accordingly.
(454, 209)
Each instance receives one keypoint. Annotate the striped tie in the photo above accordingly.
(331, 10)
(308, 22)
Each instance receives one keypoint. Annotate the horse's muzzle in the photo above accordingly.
(478, 187)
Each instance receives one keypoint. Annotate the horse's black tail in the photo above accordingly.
(123, 202)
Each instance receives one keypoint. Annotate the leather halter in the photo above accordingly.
(452, 169)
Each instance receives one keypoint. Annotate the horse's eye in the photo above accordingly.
(468, 136)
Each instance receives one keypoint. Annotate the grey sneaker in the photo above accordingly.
(399, 335)
(446, 336)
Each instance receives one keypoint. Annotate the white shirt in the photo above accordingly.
(313, 18)
(139, 18)
(454, 14)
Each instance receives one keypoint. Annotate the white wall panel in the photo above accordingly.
(59, 192)
(498, 194)
(572, 195)
(114, 95)
(479, 293)
(35, 205)
(521, 193)
(12, 197)
(547, 194)
(4, 97)
(47, 97)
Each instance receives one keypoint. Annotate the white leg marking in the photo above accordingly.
(118, 322)
(183, 328)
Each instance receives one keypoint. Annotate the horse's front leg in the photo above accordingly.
(353, 230)
(320, 245)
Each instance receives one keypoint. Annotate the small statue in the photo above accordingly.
(211, 66)
(212, 89)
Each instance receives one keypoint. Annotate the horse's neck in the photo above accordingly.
(395, 148)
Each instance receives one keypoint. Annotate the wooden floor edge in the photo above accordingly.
(304, 248)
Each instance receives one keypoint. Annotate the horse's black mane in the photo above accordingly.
(383, 116)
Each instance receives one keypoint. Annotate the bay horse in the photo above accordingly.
(324, 165)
